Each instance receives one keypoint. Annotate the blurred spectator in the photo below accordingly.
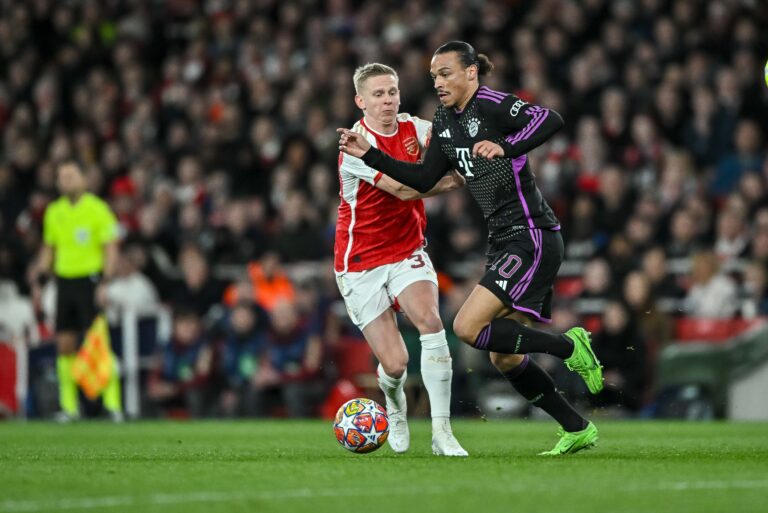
(704, 135)
(654, 266)
(129, 289)
(683, 239)
(754, 291)
(712, 294)
(269, 284)
(297, 238)
(758, 248)
(748, 157)
(677, 179)
(18, 322)
(178, 382)
(197, 290)
(289, 375)
(732, 234)
(598, 286)
(239, 241)
(615, 200)
(582, 240)
(622, 354)
(654, 325)
(752, 190)
(244, 353)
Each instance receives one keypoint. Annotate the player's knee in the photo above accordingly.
(466, 331)
(395, 367)
(427, 321)
(505, 362)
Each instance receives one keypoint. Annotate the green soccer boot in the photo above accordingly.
(570, 443)
(583, 360)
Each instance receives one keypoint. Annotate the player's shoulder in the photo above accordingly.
(363, 130)
(499, 103)
(404, 117)
(56, 204)
(97, 206)
(360, 128)
(92, 200)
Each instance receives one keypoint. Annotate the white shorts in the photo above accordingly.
(368, 294)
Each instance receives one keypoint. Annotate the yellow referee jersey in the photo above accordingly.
(78, 232)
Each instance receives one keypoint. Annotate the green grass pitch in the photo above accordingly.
(285, 466)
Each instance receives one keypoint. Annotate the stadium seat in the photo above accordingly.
(568, 287)
(694, 329)
(8, 401)
(354, 359)
(593, 323)
(342, 391)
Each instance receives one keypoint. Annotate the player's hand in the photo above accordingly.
(487, 150)
(458, 180)
(102, 298)
(352, 143)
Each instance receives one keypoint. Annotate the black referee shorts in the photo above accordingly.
(521, 271)
(75, 303)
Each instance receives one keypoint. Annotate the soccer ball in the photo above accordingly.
(361, 425)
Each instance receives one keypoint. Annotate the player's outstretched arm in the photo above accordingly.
(451, 181)
(421, 177)
(531, 129)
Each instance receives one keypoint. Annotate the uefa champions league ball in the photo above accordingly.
(361, 425)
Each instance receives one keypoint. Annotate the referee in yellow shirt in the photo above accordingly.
(80, 242)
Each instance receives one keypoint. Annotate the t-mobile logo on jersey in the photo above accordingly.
(464, 161)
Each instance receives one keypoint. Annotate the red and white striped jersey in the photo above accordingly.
(374, 227)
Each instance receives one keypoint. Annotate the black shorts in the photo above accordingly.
(75, 303)
(521, 271)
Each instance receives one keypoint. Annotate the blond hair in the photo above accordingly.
(372, 69)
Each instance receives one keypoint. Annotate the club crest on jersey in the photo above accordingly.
(411, 146)
(474, 127)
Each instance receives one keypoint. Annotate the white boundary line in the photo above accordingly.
(11, 506)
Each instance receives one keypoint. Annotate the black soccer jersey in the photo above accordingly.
(503, 187)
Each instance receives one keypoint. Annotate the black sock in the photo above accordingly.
(510, 337)
(537, 386)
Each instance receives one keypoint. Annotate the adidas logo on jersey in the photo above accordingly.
(445, 133)
(502, 284)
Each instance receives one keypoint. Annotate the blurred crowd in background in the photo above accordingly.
(209, 126)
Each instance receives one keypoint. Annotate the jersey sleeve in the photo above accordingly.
(527, 126)
(107, 230)
(423, 130)
(353, 166)
(50, 234)
(350, 166)
(421, 177)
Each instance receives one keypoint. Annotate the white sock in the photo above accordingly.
(393, 390)
(436, 372)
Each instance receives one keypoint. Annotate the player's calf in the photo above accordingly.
(397, 408)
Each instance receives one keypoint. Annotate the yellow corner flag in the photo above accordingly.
(94, 365)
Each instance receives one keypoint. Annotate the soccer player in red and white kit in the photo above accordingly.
(380, 262)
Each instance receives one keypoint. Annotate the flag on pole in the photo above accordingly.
(94, 365)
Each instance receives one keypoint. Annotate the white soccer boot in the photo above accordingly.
(445, 444)
(399, 435)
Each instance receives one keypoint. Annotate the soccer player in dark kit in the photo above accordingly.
(485, 134)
